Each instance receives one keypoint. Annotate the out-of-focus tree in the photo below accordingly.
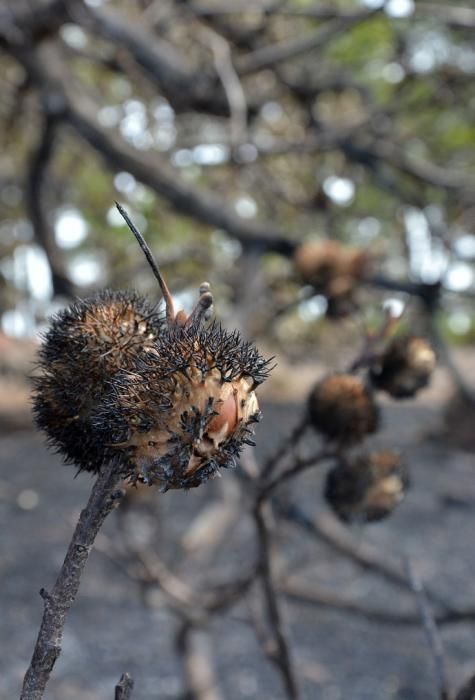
(309, 159)
(235, 132)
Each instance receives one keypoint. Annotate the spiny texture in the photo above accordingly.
(342, 408)
(86, 345)
(405, 367)
(176, 409)
(368, 487)
(184, 410)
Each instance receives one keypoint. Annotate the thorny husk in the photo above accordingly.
(169, 404)
(85, 347)
(186, 409)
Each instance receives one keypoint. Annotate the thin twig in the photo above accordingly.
(192, 605)
(123, 689)
(231, 83)
(197, 661)
(167, 297)
(287, 445)
(320, 597)
(432, 634)
(297, 467)
(331, 532)
(282, 654)
(102, 500)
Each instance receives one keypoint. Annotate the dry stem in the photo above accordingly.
(47, 649)
(123, 689)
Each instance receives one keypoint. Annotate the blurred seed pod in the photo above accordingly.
(405, 366)
(334, 270)
(342, 408)
(86, 345)
(368, 487)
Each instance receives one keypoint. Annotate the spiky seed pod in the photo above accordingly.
(334, 270)
(86, 345)
(368, 487)
(405, 366)
(342, 408)
(187, 409)
(166, 399)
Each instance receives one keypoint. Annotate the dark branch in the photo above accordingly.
(186, 200)
(281, 654)
(36, 188)
(298, 466)
(467, 691)
(432, 634)
(184, 87)
(123, 689)
(47, 649)
(269, 56)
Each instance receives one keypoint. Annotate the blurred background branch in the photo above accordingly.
(316, 162)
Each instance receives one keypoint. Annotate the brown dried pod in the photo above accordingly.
(368, 487)
(405, 366)
(168, 400)
(342, 408)
(86, 345)
(334, 270)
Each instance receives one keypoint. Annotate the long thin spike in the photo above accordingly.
(170, 310)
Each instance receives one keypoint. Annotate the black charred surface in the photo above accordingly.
(101, 383)
(85, 346)
(141, 398)
(181, 347)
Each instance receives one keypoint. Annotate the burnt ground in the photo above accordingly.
(112, 628)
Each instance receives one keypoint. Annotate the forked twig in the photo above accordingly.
(297, 467)
(288, 444)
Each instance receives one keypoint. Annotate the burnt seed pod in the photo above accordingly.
(334, 270)
(169, 400)
(186, 409)
(342, 408)
(405, 367)
(83, 350)
(368, 487)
